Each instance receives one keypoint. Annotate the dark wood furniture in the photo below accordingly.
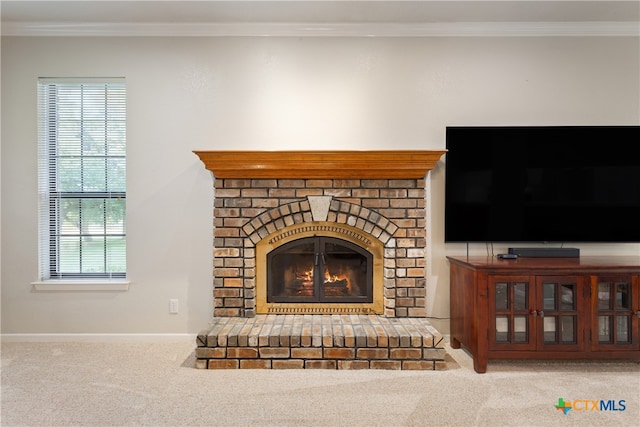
(545, 308)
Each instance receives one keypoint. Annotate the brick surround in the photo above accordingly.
(390, 210)
(375, 199)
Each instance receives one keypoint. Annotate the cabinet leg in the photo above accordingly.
(454, 343)
(479, 365)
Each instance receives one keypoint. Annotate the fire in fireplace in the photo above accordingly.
(319, 269)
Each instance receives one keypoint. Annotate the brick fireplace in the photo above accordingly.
(369, 202)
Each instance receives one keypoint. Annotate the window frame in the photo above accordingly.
(52, 194)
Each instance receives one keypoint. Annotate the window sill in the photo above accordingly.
(82, 285)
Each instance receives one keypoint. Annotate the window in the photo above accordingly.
(82, 178)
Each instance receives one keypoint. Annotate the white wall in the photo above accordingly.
(274, 94)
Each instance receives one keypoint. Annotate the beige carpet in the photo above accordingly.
(118, 384)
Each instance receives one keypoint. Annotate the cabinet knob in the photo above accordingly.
(541, 313)
(534, 313)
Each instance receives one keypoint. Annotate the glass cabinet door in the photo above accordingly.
(510, 326)
(558, 311)
(614, 313)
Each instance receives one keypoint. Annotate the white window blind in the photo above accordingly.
(82, 178)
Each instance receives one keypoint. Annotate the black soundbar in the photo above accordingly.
(546, 252)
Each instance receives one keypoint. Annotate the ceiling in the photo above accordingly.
(361, 17)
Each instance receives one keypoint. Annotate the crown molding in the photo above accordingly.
(442, 29)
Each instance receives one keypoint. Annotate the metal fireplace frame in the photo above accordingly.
(342, 232)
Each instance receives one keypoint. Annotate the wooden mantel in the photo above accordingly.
(398, 164)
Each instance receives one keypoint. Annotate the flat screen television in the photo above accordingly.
(542, 184)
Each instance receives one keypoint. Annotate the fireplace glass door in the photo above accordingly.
(319, 269)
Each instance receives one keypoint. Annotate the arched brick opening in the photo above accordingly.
(390, 211)
(344, 220)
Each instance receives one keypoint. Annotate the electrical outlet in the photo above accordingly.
(173, 306)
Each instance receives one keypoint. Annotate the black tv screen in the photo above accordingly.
(542, 184)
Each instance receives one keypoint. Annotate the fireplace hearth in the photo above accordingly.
(320, 234)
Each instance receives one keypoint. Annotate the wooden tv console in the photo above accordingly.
(545, 308)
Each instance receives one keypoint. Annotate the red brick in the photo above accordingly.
(224, 193)
(353, 364)
(254, 192)
(346, 183)
(264, 203)
(403, 203)
(339, 353)
(335, 192)
(416, 233)
(393, 213)
(223, 364)
(421, 365)
(405, 222)
(366, 193)
(373, 353)
(375, 203)
(375, 183)
(320, 364)
(383, 337)
(282, 193)
(227, 312)
(405, 302)
(242, 353)
(233, 222)
(287, 364)
(406, 243)
(405, 262)
(226, 232)
(290, 183)
(233, 283)
(305, 338)
(321, 183)
(306, 353)
(395, 193)
(406, 283)
(386, 364)
(404, 183)
(405, 353)
(233, 302)
(274, 352)
(226, 272)
(400, 233)
(226, 252)
(226, 293)
(255, 364)
(211, 353)
(417, 292)
(257, 183)
(232, 183)
(226, 213)
(252, 213)
(427, 340)
(441, 365)
(416, 272)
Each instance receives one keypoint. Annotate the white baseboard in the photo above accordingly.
(106, 338)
